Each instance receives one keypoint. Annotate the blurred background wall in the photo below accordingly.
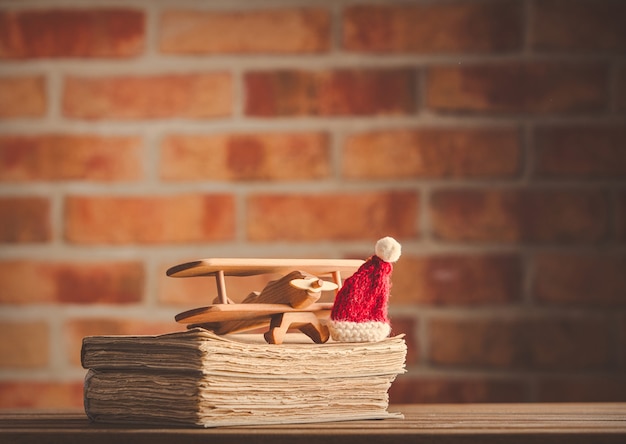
(488, 137)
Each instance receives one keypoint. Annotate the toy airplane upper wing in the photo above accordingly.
(250, 267)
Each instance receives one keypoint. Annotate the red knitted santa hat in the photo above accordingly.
(359, 313)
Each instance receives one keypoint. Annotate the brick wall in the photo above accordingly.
(487, 136)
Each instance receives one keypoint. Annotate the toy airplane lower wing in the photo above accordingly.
(289, 302)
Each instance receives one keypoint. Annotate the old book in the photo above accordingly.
(199, 378)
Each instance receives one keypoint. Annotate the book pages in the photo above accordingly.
(199, 378)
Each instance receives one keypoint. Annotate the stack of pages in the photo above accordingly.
(199, 378)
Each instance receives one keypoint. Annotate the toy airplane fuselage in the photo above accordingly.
(289, 302)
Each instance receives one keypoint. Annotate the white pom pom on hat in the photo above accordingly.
(388, 249)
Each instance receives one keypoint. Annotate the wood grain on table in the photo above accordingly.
(459, 423)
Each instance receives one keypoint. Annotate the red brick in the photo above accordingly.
(518, 87)
(538, 215)
(433, 152)
(346, 216)
(69, 157)
(430, 28)
(36, 282)
(269, 156)
(23, 96)
(24, 344)
(71, 33)
(196, 96)
(41, 395)
(591, 280)
(149, 219)
(77, 329)
(408, 327)
(330, 93)
(464, 280)
(245, 32)
(529, 343)
(437, 390)
(578, 25)
(581, 151)
(24, 219)
(583, 389)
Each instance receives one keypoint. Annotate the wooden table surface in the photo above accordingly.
(461, 423)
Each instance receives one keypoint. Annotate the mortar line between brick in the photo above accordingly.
(613, 86)
(337, 143)
(336, 12)
(151, 158)
(150, 291)
(527, 27)
(152, 12)
(239, 94)
(421, 89)
(528, 278)
(157, 189)
(57, 220)
(532, 387)
(54, 87)
(26, 374)
(126, 312)
(425, 225)
(82, 252)
(612, 229)
(347, 123)
(621, 329)
(157, 64)
(615, 344)
(57, 347)
(241, 217)
(527, 153)
(514, 312)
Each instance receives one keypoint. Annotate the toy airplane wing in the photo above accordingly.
(236, 312)
(250, 267)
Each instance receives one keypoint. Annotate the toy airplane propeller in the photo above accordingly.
(287, 303)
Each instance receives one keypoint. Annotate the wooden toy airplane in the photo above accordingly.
(287, 303)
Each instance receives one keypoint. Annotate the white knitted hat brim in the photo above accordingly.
(347, 331)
